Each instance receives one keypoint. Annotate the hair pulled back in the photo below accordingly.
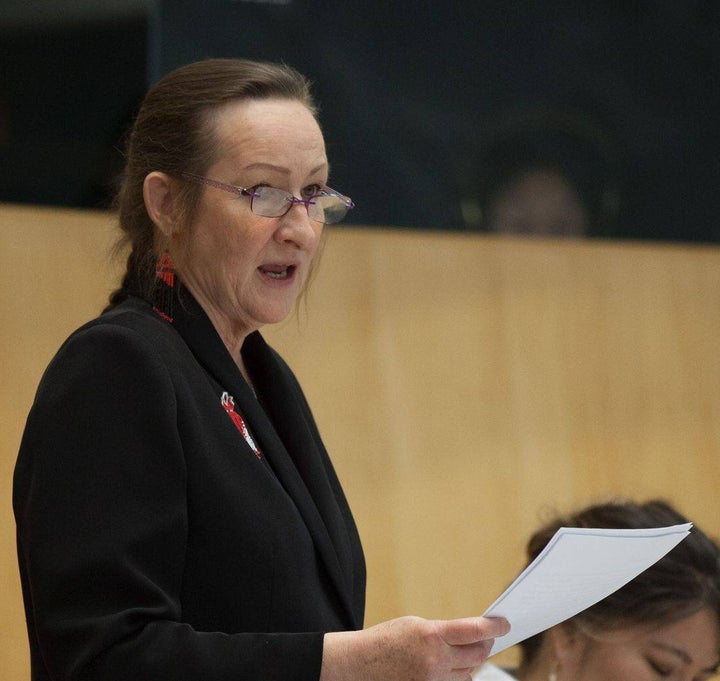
(173, 133)
(683, 582)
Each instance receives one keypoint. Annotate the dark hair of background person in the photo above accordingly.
(567, 147)
(173, 133)
(683, 582)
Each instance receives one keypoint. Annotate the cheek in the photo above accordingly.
(319, 243)
(229, 227)
(230, 247)
(319, 238)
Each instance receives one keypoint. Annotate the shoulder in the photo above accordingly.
(132, 318)
(132, 323)
(128, 340)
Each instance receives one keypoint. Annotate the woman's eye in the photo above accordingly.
(311, 190)
(660, 669)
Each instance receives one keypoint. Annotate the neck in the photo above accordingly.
(232, 332)
(233, 336)
(537, 670)
(245, 374)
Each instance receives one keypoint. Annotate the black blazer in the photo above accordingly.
(153, 543)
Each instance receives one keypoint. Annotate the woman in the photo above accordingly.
(664, 624)
(178, 516)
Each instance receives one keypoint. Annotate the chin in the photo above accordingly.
(275, 316)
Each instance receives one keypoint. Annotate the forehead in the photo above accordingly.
(269, 130)
(695, 638)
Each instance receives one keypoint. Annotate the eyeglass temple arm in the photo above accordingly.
(240, 191)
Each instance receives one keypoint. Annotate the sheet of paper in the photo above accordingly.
(577, 568)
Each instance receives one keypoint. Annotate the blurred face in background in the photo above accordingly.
(538, 201)
(686, 650)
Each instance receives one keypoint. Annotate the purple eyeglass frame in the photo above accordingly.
(291, 199)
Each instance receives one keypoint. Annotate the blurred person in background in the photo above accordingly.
(664, 624)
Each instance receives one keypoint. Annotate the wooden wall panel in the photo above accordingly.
(466, 385)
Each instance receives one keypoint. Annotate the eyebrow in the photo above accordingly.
(281, 169)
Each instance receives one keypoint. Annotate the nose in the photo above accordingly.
(296, 227)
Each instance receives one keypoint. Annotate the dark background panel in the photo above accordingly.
(67, 94)
(418, 101)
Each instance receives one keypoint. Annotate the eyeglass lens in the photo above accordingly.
(271, 202)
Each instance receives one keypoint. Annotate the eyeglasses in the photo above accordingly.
(326, 206)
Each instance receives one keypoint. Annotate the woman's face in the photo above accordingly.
(247, 270)
(683, 651)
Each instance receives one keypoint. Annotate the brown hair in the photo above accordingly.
(683, 582)
(173, 133)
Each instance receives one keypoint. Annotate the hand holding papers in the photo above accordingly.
(577, 568)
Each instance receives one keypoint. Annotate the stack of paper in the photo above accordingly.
(577, 568)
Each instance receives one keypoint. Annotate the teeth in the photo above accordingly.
(276, 275)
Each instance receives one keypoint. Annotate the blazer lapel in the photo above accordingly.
(299, 473)
(305, 454)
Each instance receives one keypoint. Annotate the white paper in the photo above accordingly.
(577, 568)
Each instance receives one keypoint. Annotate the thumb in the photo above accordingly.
(467, 630)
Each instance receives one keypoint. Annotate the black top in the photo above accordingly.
(153, 542)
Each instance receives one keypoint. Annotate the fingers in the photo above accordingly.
(469, 656)
(411, 648)
(471, 630)
(471, 640)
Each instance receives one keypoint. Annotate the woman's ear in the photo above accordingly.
(159, 193)
(566, 643)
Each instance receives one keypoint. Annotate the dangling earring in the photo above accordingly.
(552, 674)
(164, 287)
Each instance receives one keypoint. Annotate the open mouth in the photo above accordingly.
(278, 271)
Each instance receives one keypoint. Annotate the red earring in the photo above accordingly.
(164, 287)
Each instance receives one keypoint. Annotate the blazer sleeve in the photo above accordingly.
(101, 510)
